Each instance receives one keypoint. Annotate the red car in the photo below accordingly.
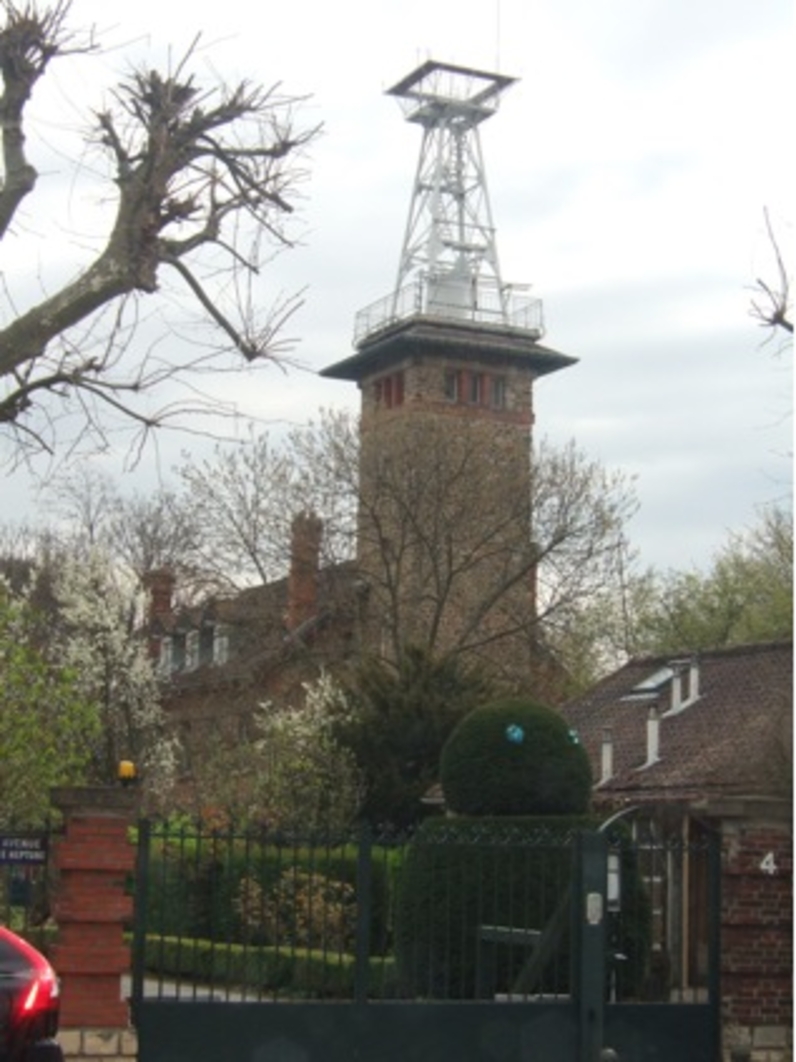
(29, 1003)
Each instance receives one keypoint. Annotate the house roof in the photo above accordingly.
(256, 618)
(734, 738)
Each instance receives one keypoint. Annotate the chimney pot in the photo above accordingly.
(607, 756)
(302, 583)
(653, 736)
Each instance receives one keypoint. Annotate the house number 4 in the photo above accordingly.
(769, 866)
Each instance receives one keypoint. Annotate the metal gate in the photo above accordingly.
(494, 941)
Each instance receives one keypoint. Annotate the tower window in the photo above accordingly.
(498, 392)
(389, 390)
(451, 385)
(476, 389)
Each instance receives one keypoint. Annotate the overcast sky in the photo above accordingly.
(628, 170)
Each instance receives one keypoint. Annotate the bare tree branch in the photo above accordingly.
(774, 311)
(191, 165)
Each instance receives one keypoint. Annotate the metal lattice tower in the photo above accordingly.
(449, 262)
(450, 236)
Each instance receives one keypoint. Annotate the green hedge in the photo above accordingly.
(296, 973)
(464, 873)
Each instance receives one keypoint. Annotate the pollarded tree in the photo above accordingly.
(202, 179)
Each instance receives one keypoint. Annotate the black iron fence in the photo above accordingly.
(461, 910)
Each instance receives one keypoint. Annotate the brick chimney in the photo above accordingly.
(302, 581)
(159, 584)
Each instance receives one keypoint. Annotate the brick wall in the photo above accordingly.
(445, 513)
(757, 938)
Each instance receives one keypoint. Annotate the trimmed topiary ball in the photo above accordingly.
(515, 757)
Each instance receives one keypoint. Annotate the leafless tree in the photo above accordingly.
(459, 549)
(203, 180)
(772, 304)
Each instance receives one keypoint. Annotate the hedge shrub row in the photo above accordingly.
(294, 973)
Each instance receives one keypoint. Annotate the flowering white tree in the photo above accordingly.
(97, 634)
(309, 782)
(47, 724)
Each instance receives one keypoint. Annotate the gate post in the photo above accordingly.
(588, 936)
(93, 858)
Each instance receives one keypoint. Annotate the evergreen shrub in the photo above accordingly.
(463, 874)
(515, 757)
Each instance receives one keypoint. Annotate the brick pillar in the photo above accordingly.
(92, 860)
(757, 931)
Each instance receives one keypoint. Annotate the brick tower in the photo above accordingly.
(445, 365)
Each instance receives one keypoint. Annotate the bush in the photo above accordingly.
(301, 910)
(281, 972)
(515, 757)
(195, 883)
(462, 874)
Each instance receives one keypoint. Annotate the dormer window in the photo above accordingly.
(165, 656)
(192, 650)
(178, 652)
(685, 684)
(220, 645)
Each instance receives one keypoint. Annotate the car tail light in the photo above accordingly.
(29, 999)
(42, 992)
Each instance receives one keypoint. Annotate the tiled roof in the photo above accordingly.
(734, 739)
(255, 620)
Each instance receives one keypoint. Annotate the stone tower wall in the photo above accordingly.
(445, 521)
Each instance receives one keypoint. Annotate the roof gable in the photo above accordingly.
(734, 736)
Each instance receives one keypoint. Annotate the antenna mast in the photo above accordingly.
(449, 264)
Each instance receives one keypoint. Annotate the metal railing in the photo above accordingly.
(476, 300)
(458, 911)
